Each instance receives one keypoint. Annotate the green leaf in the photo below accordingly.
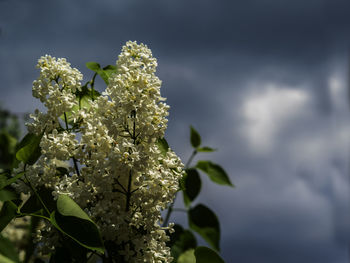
(4, 259)
(187, 257)
(7, 213)
(8, 194)
(87, 94)
(69, 251)
(71, 220)
(67, 207)
(207, 255)
(10, 180)
(182, 181)
(204, 222)
(3, 179)
(8, 250)
(7, 149)
(33, 204)
(29, 149)
(180, 241)
(193, 185)
(195, 138)
(84, 97)
(215, 172)
(109, 70)
(61, 254)
(163, 146)
(94, 66)
(205, 149)
(104, 73)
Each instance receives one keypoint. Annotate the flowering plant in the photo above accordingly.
(94, 172)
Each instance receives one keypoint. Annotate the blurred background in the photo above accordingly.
(265, 82)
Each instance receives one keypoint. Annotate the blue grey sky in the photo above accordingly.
(264, 81)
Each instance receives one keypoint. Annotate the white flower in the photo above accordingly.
(117, 174)
(55, 87)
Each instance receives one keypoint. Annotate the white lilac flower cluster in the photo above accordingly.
(116, 172)
(55, 87)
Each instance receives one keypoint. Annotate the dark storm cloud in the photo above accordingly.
(214, 56)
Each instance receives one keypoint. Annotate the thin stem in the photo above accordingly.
(34, 215)
(117, 181)
(133, 191)
(128, 193)
(117, 190)
(76, 166)
(35, 192)
(92, 84)
(190, 159)
(66, 120)
(74, 160)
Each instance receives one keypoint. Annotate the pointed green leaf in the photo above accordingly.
(215, 172)
(193, 185)
(3, 179)
(69, 251)
(4, 259)
(61, 254)
(187, 257)
(103, 76)
(7, 213)
(180, 241)
(87, 93)
(97, 69)
(8, 250)
(109, 70)
(7, 149)
(163, 146)
(84, 98)
(71, 220)
(10, 180)
(94, 66)
(207, 255)
(29, 149)
(8, 194)
(104, 73)
(33, 204)
(195, 138)
(182, 180)
(67, 207)
(205, 222)
(205, 149)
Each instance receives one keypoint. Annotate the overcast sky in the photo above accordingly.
(264, 81)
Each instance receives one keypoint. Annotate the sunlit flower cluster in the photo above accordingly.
(112, 165)
(55, 87)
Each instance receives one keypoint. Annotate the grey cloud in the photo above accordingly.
(209, 54)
